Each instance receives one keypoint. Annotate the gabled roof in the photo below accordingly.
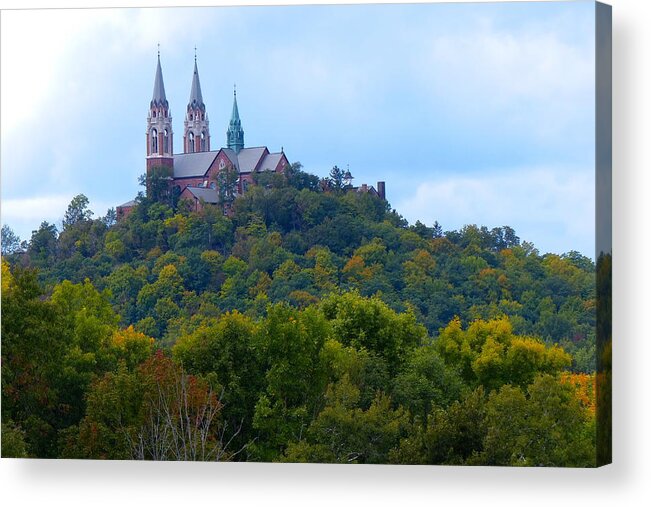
(232, 156)
(158, 97)
(270, 162)
(249, 158)
(209, 195)
(128, 204)
(188, 165)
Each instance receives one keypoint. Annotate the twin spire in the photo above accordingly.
(197, 137)
(196, 100)
(158, 99)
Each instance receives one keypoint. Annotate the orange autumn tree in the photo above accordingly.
(584, 385)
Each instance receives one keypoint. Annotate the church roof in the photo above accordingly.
(232, 156)
(249, 158)
(187, 165)
(270, 162)
(128, 204)
(209, 195)
(196, 99)
(158, 97)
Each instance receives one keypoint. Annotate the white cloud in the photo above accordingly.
(529, 79)
(24, 215)
(551, 207)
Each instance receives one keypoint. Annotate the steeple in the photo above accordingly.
(196, 100)
(158, 98)
(159, 134)
(196, 136)
(235, 134)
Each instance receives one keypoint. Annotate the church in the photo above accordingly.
(194, 173)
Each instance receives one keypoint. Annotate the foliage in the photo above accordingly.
(309, 323)
(77, 211)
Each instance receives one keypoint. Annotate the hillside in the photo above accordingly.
(313, 325)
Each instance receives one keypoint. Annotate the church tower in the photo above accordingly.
(160, 144)
(196, 136)
(235, 134)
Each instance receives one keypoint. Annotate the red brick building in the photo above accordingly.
(194, 174)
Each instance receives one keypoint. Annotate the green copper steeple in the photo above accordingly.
(235, 134)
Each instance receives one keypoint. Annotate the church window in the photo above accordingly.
(154, 113)
(203, 141)
(154, 141)
(166, 142)
(191, 142)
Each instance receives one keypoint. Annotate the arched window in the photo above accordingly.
(166, 142)
(203, 141)
(191, 142)
(154, 113)
(154, 141)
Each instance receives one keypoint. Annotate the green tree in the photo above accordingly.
(10, 241)
(426, 382)
(223, 349)
(369, 323)
(77, 211)
(157, 182)
(544, 426)
(226, 180)
(342, 433)
(489, 354)
(336, 179)
(289, 344)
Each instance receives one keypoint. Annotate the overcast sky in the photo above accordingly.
(471, 113)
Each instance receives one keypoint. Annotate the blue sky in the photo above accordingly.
(471, 113)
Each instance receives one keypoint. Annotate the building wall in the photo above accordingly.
(122, 212)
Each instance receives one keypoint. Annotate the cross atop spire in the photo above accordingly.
(158, 97)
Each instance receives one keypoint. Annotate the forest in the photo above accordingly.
(308, 323)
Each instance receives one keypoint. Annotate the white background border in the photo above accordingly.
(626, 482)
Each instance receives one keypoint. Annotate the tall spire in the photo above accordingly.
(196, 99)
(196, 135)
(235, 116)
(159, 135)
(235, 134)
(158, 97)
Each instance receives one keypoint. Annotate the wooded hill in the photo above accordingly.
(308, 325)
